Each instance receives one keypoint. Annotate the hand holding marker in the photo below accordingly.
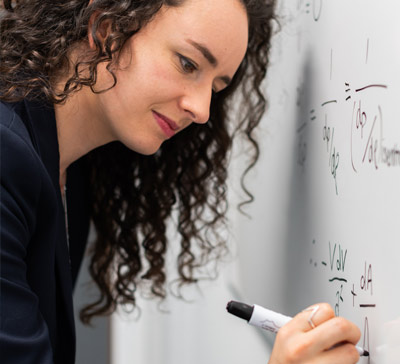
(267, 319)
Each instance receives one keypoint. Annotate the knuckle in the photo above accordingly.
(327, 309)
(347, 330)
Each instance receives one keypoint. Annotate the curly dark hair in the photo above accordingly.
(134, 197)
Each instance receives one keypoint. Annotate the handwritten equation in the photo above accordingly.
(360, 290)
(367, 134)
(363, 126)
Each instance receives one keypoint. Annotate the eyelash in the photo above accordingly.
(186, 63)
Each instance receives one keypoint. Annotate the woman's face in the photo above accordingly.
(168, 71)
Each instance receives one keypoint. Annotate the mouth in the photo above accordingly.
(168, 126)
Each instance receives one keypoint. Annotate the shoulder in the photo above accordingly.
(12, 121)
(16, 143)
(20, 164)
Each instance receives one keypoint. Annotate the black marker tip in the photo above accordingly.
(240, 309)
(365, 353)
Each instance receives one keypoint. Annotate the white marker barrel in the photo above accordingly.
(267, 319)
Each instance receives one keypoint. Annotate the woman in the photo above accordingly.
(125, 103)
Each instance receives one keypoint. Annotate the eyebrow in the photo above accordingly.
(209, 57)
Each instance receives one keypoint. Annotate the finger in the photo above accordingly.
(312, 317)
(343, 354)
(333, 332)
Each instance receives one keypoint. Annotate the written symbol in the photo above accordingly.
(370, 86)
(334, 163)
(362, 89)
(314, 263)
(301, 128)
(366, 279)
(302, 8)
(365, 287)
(329, 102)
(366, 337)
(339, 298)
(348, 89)
(304, 125)
(317, 9)
(327, 135)
(361, 118)
(354, 294)
(340, 257)
(372, 145)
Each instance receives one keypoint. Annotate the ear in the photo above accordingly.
(102, 32)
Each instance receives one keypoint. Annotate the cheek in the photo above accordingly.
(145, 79)
(163, 78)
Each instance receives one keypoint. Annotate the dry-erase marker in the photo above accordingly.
(264, 318)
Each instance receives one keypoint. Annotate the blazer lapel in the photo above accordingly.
(45, 131)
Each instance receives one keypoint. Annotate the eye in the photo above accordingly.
(187, 65)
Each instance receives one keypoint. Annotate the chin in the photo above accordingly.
(144, 148)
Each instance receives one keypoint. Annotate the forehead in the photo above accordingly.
(221, 25)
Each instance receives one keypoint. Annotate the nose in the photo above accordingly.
(196, 103)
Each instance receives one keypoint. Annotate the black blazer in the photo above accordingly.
(37, 268)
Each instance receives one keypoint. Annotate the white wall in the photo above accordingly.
(92, 342)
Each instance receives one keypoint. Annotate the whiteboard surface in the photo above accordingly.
(326, 219)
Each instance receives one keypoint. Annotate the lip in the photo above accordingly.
(167, 125)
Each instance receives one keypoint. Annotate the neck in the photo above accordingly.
(79, 130)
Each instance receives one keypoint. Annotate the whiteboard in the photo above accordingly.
(325, 223)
